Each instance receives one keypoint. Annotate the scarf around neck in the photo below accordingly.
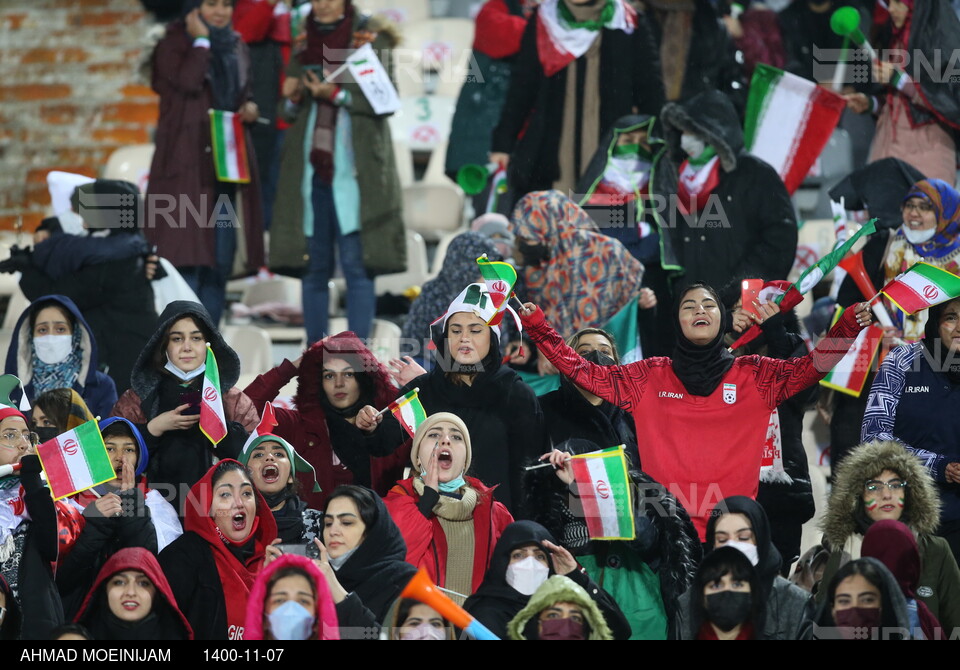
(47, 376)
(564, 33)
(224, 68)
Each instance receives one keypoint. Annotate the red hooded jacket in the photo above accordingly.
(325, 626)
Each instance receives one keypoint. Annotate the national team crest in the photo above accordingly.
(729, 393)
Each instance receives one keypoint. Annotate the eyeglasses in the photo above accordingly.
(920, 206)
(12, 439)
(874, 485)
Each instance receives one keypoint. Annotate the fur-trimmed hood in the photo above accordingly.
(343, 345)
(709, 115)
(922, 507)
(560, 589)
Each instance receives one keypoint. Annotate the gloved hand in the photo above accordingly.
(20, 260)
(30, 465)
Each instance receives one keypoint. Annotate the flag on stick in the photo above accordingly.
(229, 147)
(500, 278)
(409, 411)
(922, 286)
(268, 421)
(850, 374)
(213, 423)
(604, 488)
(76, 460)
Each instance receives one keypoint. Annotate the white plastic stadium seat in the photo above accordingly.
(417, 268)
(131, 163)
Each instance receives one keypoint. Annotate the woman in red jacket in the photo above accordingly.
(701, 415)
(449, 521)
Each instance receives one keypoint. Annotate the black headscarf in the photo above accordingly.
(377, 571)
(949, 363)
(768, 567)
(700, 367)
(224, 69)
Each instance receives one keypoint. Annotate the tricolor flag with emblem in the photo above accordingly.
(603, 485)
(500, 278)
(409, 411)
(268, 421)
(922, 286)
(850, 375)
(559, 43)
(229, 147)
(213, 423)
(76, 460)
(789, 120)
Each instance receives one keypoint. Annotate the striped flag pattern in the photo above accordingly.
(213, 423)
(604, 488)
(850, 374)
(268, 421)
(76, 460)
(409, 411)
(229, 147)
(559, 44)
(922, 286)
(789, 120)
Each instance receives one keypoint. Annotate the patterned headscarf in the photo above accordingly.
(946, 205)
(49, 376)
(587, 277)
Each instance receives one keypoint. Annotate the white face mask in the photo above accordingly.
(291, 621)
(692, 145)
(425, 631)
(53, 349)
(918, 236)
(747, 549)
(180, 374)
(527, 575)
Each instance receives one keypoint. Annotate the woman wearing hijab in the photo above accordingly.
(882, 480)
(52, 347)
(291, 601)
(741, 523)
(338, 186)
(199, 65)
(893, 544)
(459, 269)
(336, 377)
(863, 602)
(582, 65)
(560, 610)
(450, 521)
(132, 600)
(912, 401)
(496, 405)
(212, 566)
(701, 415)
(523, 559)
(725, 601)
(919, 107)
(579, 276)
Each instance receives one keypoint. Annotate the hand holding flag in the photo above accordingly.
(408, 410)
(922, 286)
(76, 460)
(213, 422)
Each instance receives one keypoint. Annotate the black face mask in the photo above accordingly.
(728, 609)
(46, 434)
(598, 357)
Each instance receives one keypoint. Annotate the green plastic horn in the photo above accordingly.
(846, 23)
(473, 178)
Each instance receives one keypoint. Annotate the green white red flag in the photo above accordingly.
(604, 488)
(76, 460)
(560, 41)
(229, 147)
(213, 423)
(500, 278)
(788, 122)
(850, 374)
(922, 286)
(268, 421)
(409, 411)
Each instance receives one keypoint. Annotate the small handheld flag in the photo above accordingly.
(268, 421)
(76, 460)
(850, 374)
(408, 410)
(922, 286)
(228, 139)
(500, 278)
(213, 423)
(604, 488)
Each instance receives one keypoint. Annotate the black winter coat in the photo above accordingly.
(567, 414)
(191, 568)
(629, 83)
(750, 228)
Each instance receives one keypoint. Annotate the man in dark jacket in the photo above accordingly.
(104, 275)
(730, 213)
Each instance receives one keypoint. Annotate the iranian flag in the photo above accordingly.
(922, 286)
(623, 327)
(409, 411)
(268, 421)
(604, 489)
(559, 43)
(213, 424)
(229, 147)
(789, 121)
(500, 279)
(76, 460)
(850, 374)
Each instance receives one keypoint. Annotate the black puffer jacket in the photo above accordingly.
(751, 224)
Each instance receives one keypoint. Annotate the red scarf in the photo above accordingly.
(690, 194)
(236, 578)
(707, 632)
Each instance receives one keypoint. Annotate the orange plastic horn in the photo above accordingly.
(853, 264)
(421, 588)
